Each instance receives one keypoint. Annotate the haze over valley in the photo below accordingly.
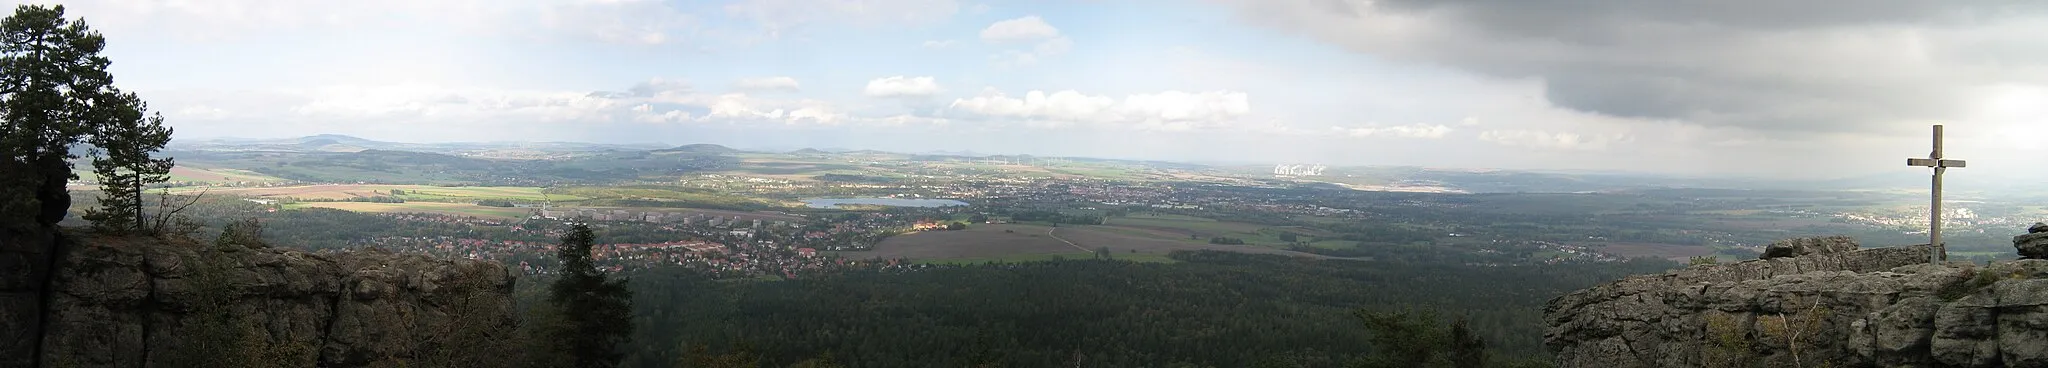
(948, 183)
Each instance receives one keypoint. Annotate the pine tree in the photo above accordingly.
(1467, 349)
(54, 90)
(596, 312)
(121, 160)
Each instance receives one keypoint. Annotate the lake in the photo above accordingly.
(892, 202)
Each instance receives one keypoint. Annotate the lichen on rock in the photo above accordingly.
(118, 302)
(1883, 307)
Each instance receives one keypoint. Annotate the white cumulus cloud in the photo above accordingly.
(902, 86)
(1170, 110)
(1026, 29)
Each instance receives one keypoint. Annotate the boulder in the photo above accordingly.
(1796, 247)
(2034, 244)
(1882, 307)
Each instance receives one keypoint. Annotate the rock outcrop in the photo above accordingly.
(118, 302)
(1796, 247)
(2034, 244)
(1884, 307)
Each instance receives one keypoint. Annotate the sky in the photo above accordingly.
(1805, 89)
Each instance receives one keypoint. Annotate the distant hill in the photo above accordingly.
(346, 143)
(337, 139)
(699, 148)
(808, 151)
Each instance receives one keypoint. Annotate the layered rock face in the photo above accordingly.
(1797, 247)
(1866, 308)
(2033, 245)
(127, 303)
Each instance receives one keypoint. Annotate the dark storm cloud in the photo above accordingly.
(1813, 66)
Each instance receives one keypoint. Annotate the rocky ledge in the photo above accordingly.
(119, 302)
(1883, 307)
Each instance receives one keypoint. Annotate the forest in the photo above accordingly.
(1209, 309)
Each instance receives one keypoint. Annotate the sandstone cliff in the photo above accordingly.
(121, 302)
(1882, 307)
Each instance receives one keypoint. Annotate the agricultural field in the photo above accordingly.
(744, 215)
(977, 241)
(1673, 252)
(1134, 257)
(1017, 242)
(426, 193)
(1199, 230)
(444, 208)
(219, 175)
(1125, 242)
(660, 196)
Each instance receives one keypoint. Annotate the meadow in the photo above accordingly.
(425, 193)
(982, 243)
(444, 208)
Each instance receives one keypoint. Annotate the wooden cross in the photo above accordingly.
(1940, 166)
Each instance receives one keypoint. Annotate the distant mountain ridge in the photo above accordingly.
(1459, 179)
(347, 143)
(700, 148)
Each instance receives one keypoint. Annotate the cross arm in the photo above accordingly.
(1928, 162)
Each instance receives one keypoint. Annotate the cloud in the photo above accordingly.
(1028, 29)
(779, 17)
(198, 112)
(1170, 110)
(1025, 29)
(901, 86)
(1553, 141)
(768, 84)
(659, 86)
(1403, 131)
(1809, 67)
(643, 22)
(639, 22)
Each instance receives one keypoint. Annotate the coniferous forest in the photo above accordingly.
(1210, 309)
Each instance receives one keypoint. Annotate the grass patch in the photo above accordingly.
(444, 208)
(412, 192)
(1015, 258)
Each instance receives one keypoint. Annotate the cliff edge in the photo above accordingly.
(1824, 304)
(136, 302)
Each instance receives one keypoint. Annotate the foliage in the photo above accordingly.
(1209, 309)
(1055, 217)
(1702, 260)
(1226, 241)
(244, 233)
(122, 163)
(1416, 338)
(55, 92)
(1728, 342)
(216, 334)
(595, 311)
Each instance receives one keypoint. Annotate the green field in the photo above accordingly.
(1200, 225)
(662, 196)
(1019, 258)
(459, 209)
(425, 193)
(219, 175)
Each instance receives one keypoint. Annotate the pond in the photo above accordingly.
(892, 202)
